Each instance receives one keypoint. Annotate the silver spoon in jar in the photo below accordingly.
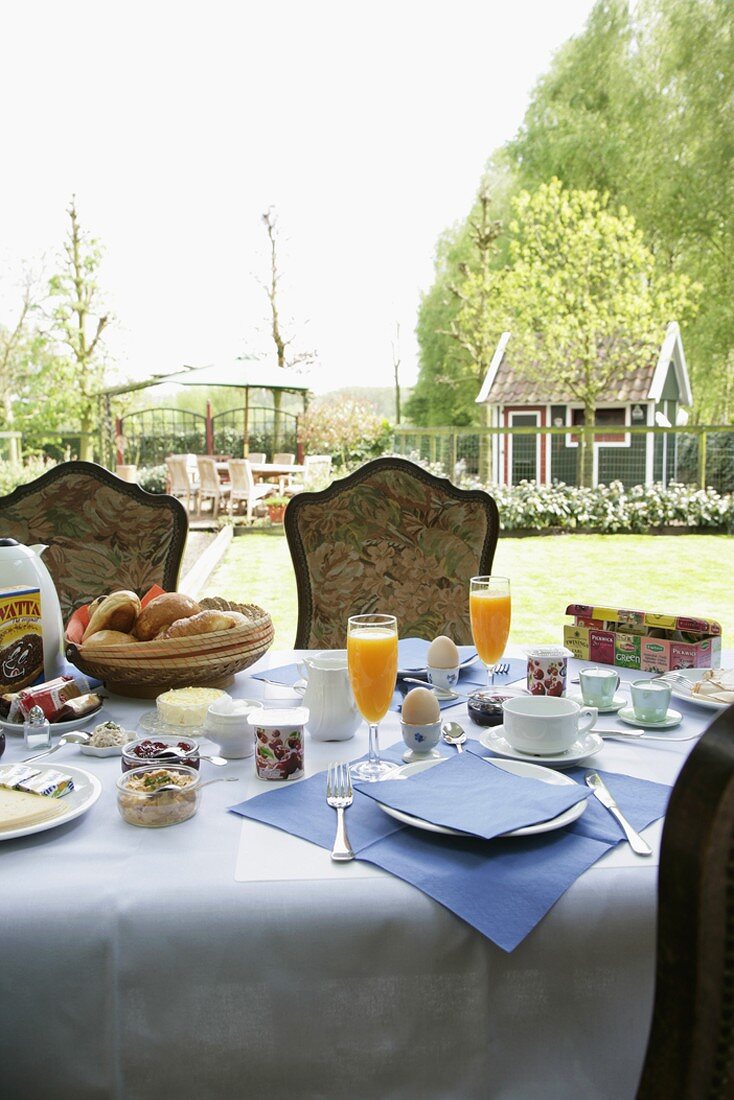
(174, 754)
(454, 734)
(175, 786)
(76, 737)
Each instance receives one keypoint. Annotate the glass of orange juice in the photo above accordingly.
(372, 659)
(489, 609)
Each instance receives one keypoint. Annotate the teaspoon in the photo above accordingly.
(175, 786)
(453, 734)
(73, 738)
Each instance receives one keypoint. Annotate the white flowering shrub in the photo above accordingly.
(607, 508)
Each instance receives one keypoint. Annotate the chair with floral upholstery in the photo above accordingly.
(388, 538)
(102, 533)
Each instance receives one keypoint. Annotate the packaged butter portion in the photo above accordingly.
(53, 784)
(21, 638)
(13, 774)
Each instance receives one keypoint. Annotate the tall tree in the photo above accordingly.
(588, 298)
(78, 323)
(641, 104)
(284, 357)
(17, 344)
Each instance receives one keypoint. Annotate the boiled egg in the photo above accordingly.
(420, 708)
(442, 653)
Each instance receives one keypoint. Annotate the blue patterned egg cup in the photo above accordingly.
(421, 741)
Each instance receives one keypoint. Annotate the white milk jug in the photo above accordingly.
(333, 714)
(22, 565)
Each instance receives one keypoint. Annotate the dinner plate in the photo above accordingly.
(671, 719)
(56, 727)
(680, 691)
(587, 745)
(516, 767)
(617, 704)
(87, 789)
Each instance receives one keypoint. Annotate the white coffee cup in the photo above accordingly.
(545, 724)
(327, 692)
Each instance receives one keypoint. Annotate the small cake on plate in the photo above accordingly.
(186, 706)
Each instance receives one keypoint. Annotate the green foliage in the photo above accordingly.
(77, 326)
(13, 474)
(350, 431)
(589, 301)
(641, 105)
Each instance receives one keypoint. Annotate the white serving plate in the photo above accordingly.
(587, 745)
(516, 767)
(55, 727)
(680, 691)
(87, 789)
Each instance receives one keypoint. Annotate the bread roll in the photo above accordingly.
(109, 637)
(204, 623)
(161, 612)
(118, 611)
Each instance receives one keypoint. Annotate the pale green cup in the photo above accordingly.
(598, 686)
(650, 699)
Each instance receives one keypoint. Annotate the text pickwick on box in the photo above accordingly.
(641, 640)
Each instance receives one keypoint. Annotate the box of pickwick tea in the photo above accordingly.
(21, 638)
(641, 640)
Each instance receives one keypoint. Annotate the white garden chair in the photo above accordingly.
(209, 483)
(244, 487)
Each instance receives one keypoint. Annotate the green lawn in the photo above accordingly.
(687, 574)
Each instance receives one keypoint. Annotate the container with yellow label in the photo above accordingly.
(21, 638)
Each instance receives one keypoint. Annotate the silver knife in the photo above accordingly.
(602, 792)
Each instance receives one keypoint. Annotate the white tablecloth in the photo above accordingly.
(133, 964)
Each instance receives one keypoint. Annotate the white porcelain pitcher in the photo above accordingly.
(333, 714)
(22, 565)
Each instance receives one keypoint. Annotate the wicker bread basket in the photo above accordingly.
(204, 660)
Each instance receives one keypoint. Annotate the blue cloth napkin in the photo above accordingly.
(502, 887)
(413, 654)
(469, 793)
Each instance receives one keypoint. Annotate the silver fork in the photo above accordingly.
(502, 668)
(339, 796)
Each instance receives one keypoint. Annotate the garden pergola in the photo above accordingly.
(244, 374)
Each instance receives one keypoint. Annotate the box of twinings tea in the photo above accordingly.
(21, 638)
(642, 639)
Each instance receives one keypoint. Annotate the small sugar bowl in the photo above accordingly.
(228, 723)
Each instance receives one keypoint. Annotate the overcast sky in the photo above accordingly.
(366, 125)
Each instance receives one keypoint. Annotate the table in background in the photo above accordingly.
(134, 965)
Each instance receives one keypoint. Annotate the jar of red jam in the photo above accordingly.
(153, 752)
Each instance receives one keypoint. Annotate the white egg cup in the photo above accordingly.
(446, 678)
(421, 741)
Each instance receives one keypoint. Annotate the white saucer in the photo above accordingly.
(587, 745)
(55, 727)
(528, 771)
(671, 719)
(618, 703)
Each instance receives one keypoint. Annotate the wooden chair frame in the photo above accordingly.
(343, 485)
(690, 1054)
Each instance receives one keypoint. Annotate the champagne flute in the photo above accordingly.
(372, 659)
(489, 610)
